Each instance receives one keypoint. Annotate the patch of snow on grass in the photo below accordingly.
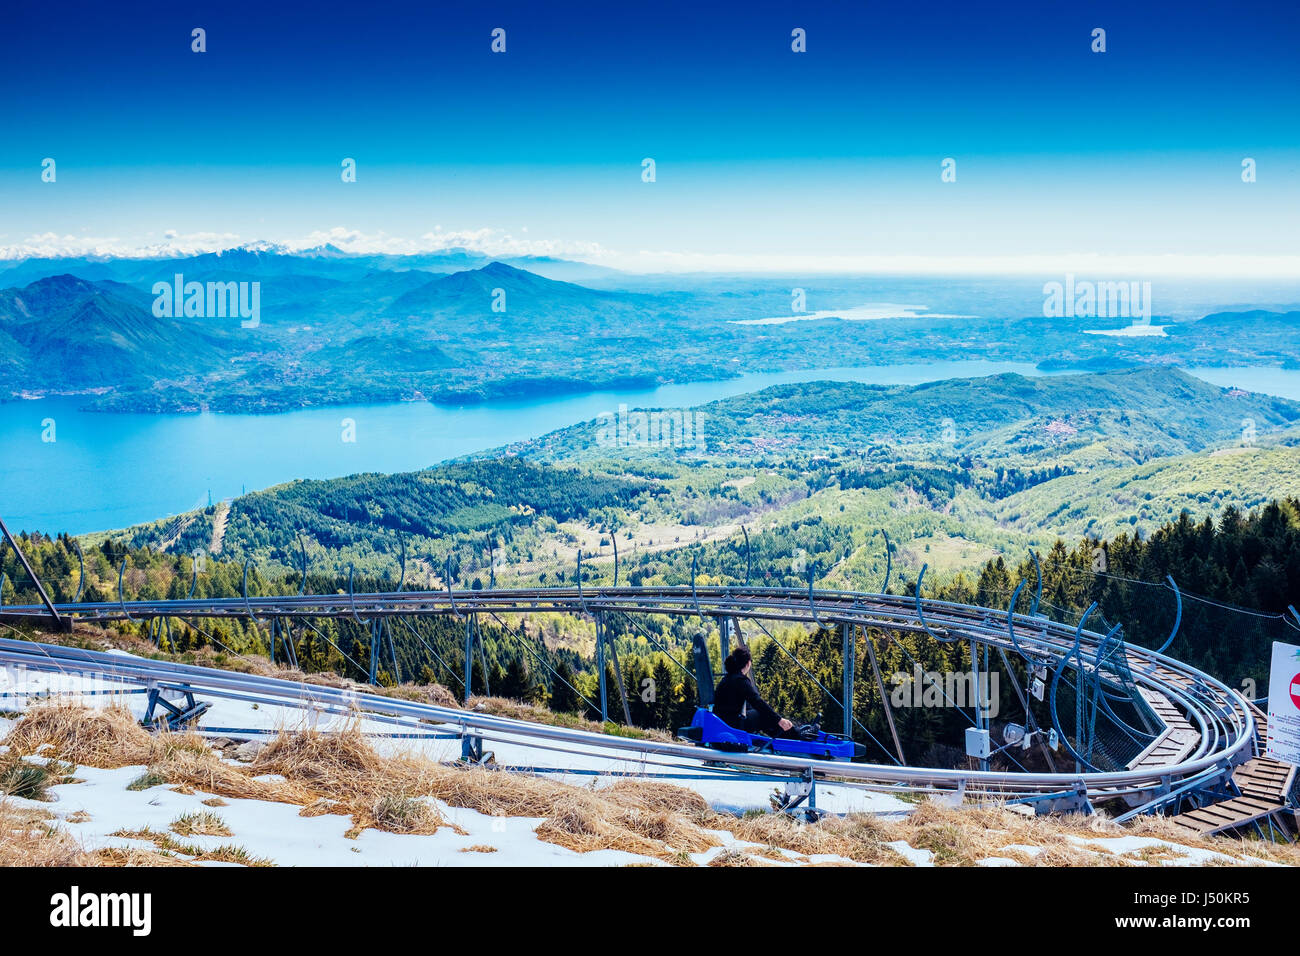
(914, 856)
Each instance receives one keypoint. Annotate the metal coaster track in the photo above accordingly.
(1222, 719)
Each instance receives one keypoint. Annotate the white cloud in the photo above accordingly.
(489, 242)
(499, 244)
(50, 245)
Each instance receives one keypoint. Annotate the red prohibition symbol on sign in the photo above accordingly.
(1295, 691)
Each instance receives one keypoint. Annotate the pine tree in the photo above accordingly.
(563, 697)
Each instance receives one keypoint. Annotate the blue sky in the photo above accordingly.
(763, 155)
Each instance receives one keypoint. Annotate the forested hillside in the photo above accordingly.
(1237, 575)
(1115, 418)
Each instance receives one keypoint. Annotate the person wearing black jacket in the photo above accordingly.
(736, 701)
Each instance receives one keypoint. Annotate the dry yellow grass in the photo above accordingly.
(735, 858)
(399, 814)
(229, 853)
(582, 819)
(1163, 829)
(774, 853)
(381, 791)
(962, 836)
(656, 797)
(186, 761)
(435, 694)
(858, 837)
(200, 824)
(32, 838)
(129, 856)
(341, 773)
(344, 771)
(108, 737)
(630, 816)
(169, 847)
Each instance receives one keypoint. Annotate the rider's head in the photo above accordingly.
(737, 661)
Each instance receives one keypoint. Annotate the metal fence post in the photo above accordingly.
(469, 655)
(600, 666)
(850, 662)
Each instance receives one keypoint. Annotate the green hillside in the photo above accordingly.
(1103, 502)
(1108, 418)
(1034, 459)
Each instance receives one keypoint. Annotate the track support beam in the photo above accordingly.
(850, 662)
(60, 623)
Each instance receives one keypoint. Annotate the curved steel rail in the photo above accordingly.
(1222, 718)
(81, 571)
(748, 555)
(120, 599)
(889, 561)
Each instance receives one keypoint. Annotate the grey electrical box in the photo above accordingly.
(977, 743)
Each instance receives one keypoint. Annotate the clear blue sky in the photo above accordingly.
(760, 151)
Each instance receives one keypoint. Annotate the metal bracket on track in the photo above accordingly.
(177, 715)
(471, 749)
(792, 796)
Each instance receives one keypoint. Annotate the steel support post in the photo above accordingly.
(374, 652)
(618, 674)
(469, 656)
(981, 721)
(600, 666)
(59, 623)
(884, 696)
(850, 664)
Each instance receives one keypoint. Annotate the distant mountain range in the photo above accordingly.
(267, 260)
(456, 327)
(72, 335)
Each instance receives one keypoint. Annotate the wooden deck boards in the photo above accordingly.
(1265, 785)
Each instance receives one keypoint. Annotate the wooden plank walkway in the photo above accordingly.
(1175, 742)
(1264, 785)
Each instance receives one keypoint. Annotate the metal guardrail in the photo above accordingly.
(1222, 717)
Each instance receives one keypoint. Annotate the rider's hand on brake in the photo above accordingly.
(785, 724)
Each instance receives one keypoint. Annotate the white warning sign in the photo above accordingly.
(1284, 704)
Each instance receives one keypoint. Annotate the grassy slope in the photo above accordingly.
(342, 774)
(1141, 446)
(1112, 418)
(1105, 502)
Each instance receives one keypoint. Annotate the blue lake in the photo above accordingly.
(112, 470)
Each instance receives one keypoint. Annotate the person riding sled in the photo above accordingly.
(737, 703)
